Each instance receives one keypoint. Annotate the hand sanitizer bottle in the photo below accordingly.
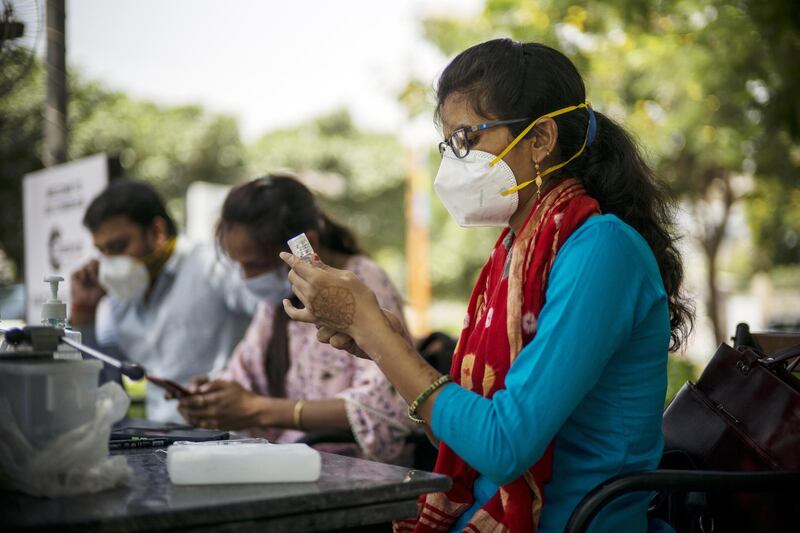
(54, 314)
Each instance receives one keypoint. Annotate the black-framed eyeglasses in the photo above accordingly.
(459, 139)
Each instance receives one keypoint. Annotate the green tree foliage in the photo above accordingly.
(774, 213)
(167, 146)
(679, 371)
(20, 152)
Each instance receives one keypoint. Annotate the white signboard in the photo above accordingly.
(56, 242)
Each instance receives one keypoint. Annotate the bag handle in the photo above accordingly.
(784, 355)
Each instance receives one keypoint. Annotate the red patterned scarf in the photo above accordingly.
(501, 319)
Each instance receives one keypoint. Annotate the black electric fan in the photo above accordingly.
(20, 32)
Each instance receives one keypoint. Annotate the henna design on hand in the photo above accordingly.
(335, 307)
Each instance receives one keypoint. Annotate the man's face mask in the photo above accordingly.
(479, 188)
(127, 278)
(123, 277)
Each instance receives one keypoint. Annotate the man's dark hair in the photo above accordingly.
(134, 199)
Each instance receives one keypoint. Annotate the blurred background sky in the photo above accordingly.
(268, 63)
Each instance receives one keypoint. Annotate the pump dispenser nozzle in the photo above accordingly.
(53, 281)
(54, 311)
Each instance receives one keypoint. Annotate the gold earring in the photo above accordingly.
(538, 179)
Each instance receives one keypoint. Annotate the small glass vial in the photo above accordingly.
(301, 248)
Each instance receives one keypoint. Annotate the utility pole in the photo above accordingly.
(418, 214)
(55, 112)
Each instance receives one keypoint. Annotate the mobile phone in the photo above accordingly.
(177, 390)
(147, 433)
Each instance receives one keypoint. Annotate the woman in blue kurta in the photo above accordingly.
(560, 372)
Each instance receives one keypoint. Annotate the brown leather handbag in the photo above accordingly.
(743, 415)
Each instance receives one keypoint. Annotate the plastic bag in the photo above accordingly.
(75, 462)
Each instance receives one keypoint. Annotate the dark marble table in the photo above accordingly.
(350, 493)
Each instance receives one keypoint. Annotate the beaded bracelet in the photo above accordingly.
(424, 395)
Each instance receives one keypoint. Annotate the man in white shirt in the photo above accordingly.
(171, 307)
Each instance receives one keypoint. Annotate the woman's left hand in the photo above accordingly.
(333, 299)
(345, 342)
(223, 405)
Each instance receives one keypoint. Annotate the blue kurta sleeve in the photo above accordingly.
(590, 309)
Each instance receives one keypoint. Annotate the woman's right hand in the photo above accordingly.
(197, 382)
(194, 388)
(221, 404)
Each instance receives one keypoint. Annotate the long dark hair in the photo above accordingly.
(505, 79)
(277, 207)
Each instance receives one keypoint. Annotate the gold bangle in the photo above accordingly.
(424, 395)
(298, 409)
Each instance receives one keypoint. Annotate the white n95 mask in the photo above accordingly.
(123, 277)
(271, 287)
(471, 190)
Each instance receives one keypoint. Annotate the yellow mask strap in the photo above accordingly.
(156, 260)
(524, 132)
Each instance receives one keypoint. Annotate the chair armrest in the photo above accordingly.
(674, 481)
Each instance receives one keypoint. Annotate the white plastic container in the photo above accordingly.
(49, 397)
(248, 461)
